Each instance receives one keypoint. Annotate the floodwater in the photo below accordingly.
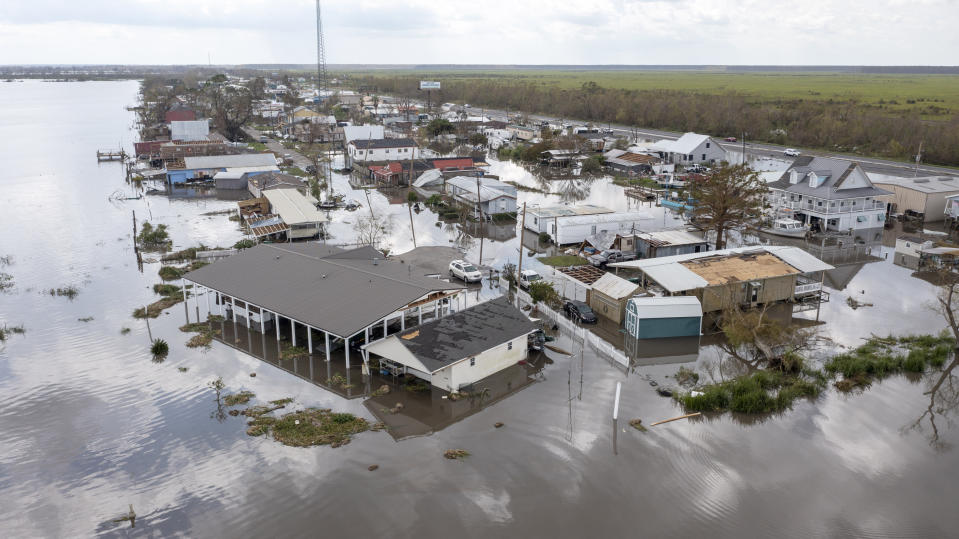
(90, 424)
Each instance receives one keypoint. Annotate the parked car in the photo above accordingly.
(791, 152)
(730, 139)
(465, 271)
(580, 311)
(263, 139)
(528, 277)
(604, 257)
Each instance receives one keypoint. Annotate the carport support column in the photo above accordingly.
(384, 327)
(293, 330)
(403, 321)
(346, 350)
(419, 314)
(207, 294)
(233, 308)
(327, 335)
(276, 324)
(309, 339)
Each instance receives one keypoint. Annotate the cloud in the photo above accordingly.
(490, 32)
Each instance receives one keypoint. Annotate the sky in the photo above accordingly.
(648, 32)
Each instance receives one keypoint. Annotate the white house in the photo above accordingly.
(494, 195)
(362, 132)
(690, 149)
(387, 149)
(454, 352)
(828, 194)
(541, 219)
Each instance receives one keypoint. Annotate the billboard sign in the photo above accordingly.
(429, 85)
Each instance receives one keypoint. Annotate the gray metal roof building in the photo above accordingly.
(339, 292)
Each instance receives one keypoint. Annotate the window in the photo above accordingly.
(707, 145)
(704, 157)
(509, 345)
(472, 362)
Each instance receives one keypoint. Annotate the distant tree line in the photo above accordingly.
(842, 126)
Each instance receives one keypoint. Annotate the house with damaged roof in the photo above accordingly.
(456, 351)
(829, 195)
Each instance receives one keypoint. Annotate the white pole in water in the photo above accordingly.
(619, 385)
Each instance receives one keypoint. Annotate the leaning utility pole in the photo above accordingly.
(321, 74)
(479, 208)
(522, 227)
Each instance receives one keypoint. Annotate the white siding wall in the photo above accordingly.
(487, 363)
(382, 154)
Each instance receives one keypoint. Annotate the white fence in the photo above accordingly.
(577, 332)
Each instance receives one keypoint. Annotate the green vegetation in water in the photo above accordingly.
(636, 182)
(170, 273)
(69, 292)
(6, 281)
(124, 330)
(563, 261)
(338, 380)
(528, 189)
(183, 369)
(204, 335)
(756, 393)
(416, 386)
(159, 348)
(637, 424)
(456, 454)
(153, 237)
(166, 289)
(881, 357)
(236, 399)
(686, 376)
(154, 309)
(501, 218)
(293, 352)
(310, 427)
(282, 402)
(382, 390)
(11, 330)
(85, 319)
(215, 318)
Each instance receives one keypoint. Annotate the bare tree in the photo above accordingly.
(372, 230)
(729, 198)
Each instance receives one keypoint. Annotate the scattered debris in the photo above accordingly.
(252, 375)
(397, 408)
(686, 376)
(498, 424)
(382, 390)
(373, 467)
(694, 414)
(378, 426)
(664, 392)
(282, 402)
(653, 383)
(124, 330)
(11, 330)
(85, 319)
(6, 281)
(637, 424)
(855, 304)
(129, 517)
(183, 369)
(234, 412)
(558, 350)
(156, 308)
(454, 454)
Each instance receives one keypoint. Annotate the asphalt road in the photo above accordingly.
(296, 157)
(869, 164)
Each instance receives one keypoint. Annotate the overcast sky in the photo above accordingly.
(834, 32)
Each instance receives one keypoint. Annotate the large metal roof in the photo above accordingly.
(546, 212)
(229, 161)
(293, 207)
(342, 294)
(671, 274)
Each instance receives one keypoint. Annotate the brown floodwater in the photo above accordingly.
(90, 424)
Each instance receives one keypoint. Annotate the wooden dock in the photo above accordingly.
(641, 192)
(111, 155)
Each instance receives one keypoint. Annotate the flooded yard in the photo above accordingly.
(92, 423)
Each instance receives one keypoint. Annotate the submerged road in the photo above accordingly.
(296, 157)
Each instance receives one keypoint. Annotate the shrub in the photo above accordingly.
(159, 348)
(244, 244)
(151, 236)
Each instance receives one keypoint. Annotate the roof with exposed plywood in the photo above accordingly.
(739, 267)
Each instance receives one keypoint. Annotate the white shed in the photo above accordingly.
(658, 317)
(577, 228)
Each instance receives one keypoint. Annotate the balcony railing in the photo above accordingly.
(808, 288)
(809, 207)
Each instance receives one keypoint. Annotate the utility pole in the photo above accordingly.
(479, 208)
(519, 269)
(918, 158)
(409, 206)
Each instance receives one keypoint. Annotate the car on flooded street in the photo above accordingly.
(528, 277)
(580, 311)
(791, 152)
(465, 271)
(730, 139)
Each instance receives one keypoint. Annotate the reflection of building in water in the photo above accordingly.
(430, 410)
(662, 351)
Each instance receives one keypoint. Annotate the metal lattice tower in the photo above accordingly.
(322, 82)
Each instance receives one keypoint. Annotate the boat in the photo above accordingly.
(787, 227)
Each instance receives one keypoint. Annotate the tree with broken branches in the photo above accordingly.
(372, 230)
(731, 197)
(756, 339)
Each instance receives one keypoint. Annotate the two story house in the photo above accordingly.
(387, 149)
(829, 195)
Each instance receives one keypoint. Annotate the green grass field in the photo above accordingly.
(932, 96)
